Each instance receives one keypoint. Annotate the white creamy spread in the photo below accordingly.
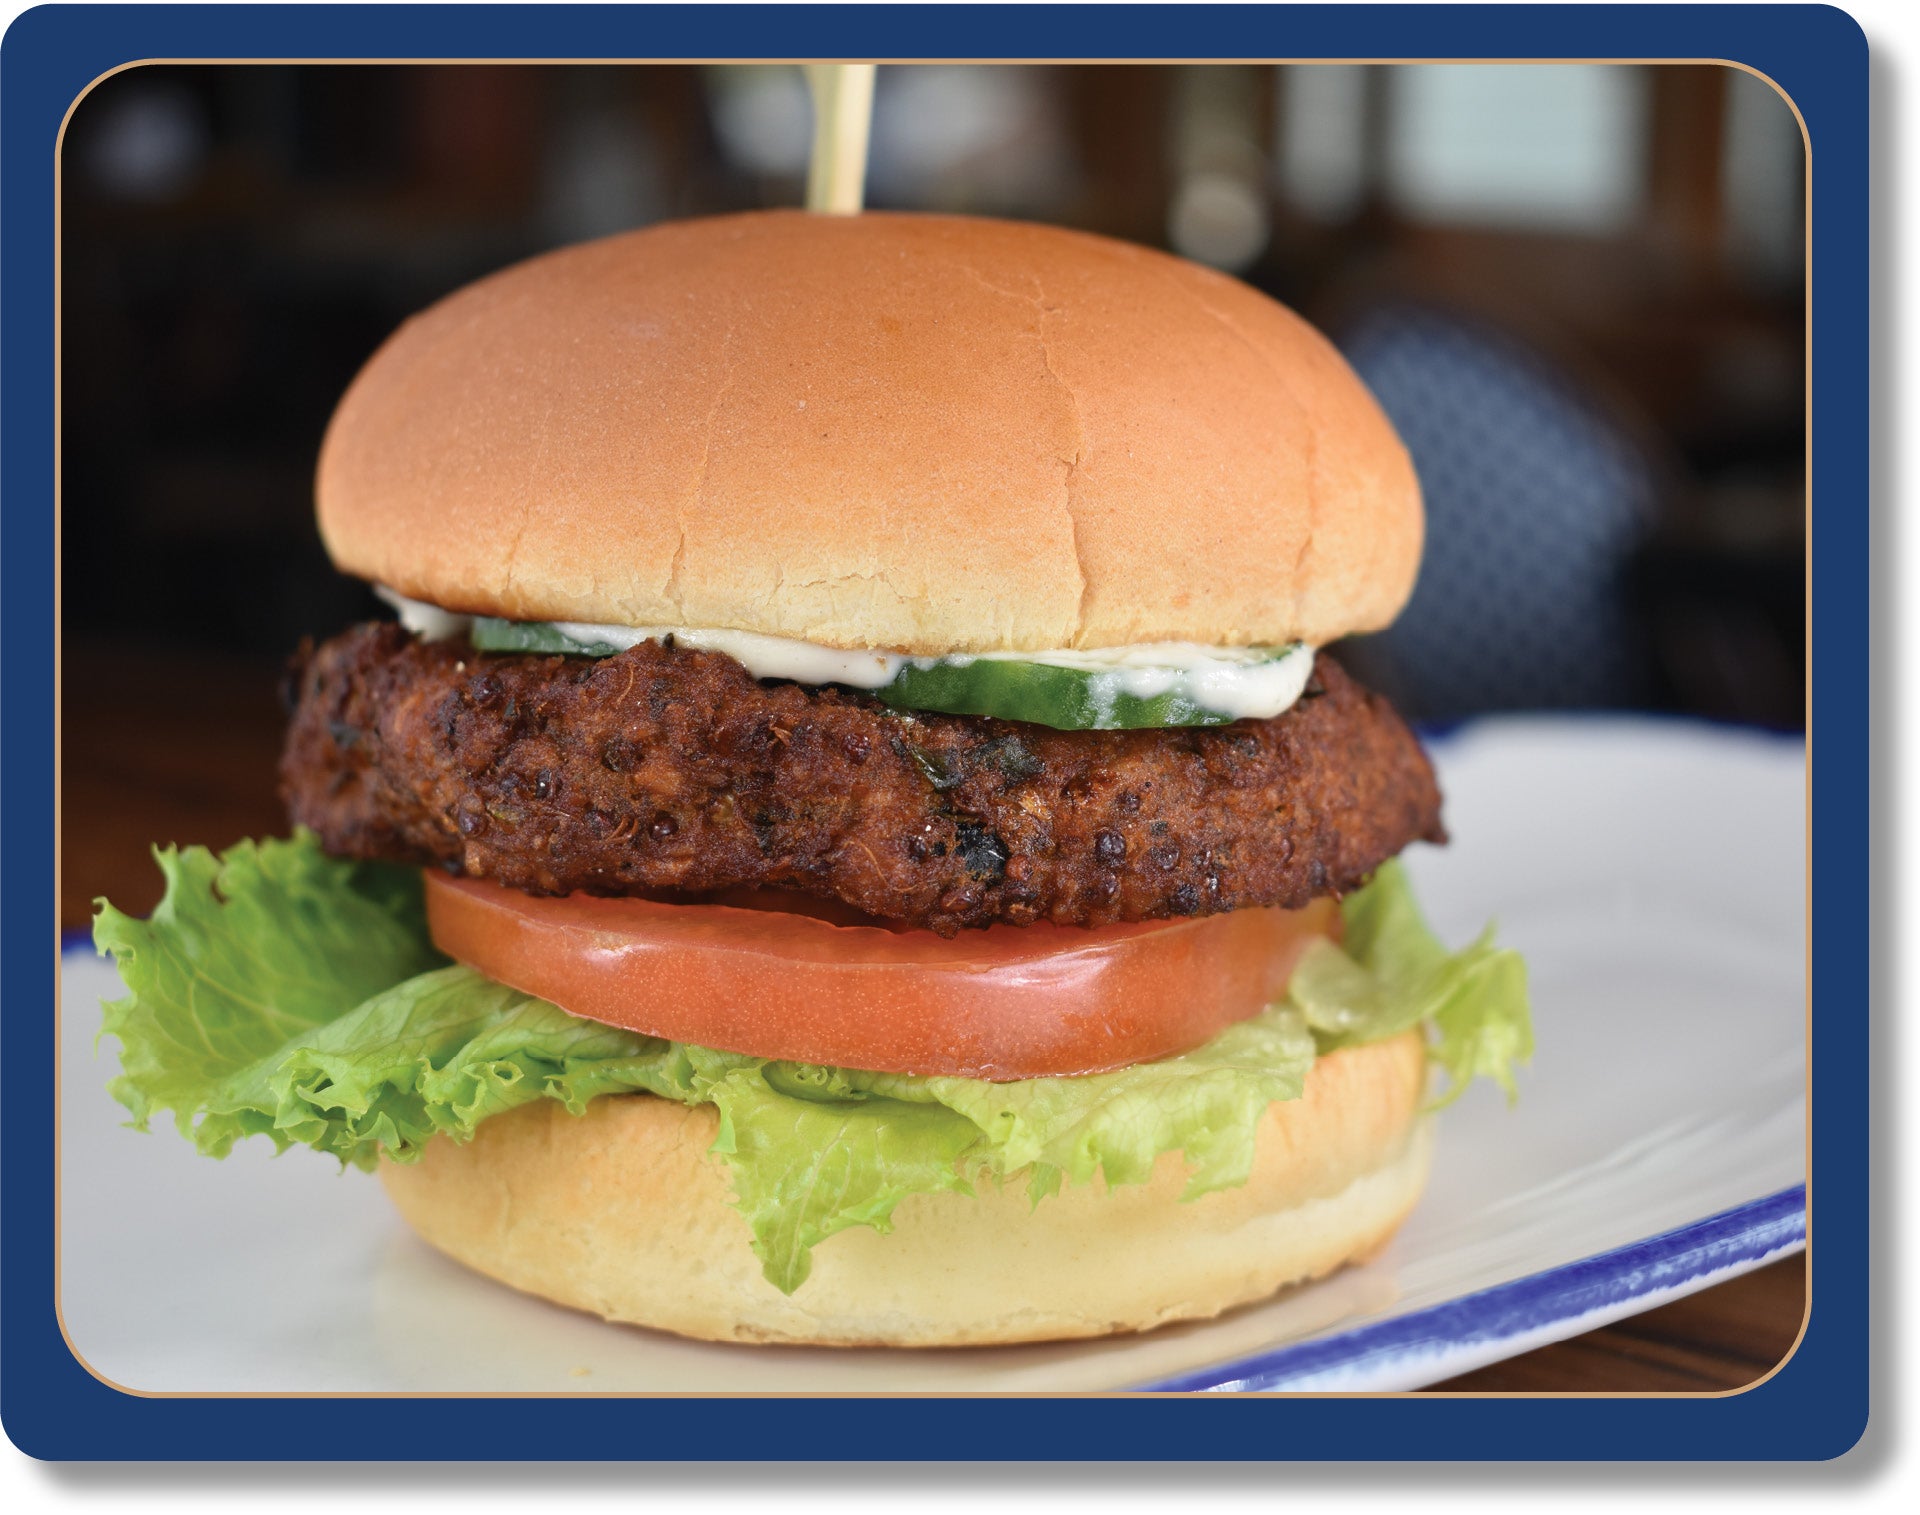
(762, 656)
(428, 622)
(1241, 683)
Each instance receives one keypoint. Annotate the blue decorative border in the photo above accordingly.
(1747, 1234)
(1814, 1407)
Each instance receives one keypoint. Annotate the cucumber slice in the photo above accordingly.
(1068, 699)
(491, 634)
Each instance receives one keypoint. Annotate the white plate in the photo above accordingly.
(1652, 872)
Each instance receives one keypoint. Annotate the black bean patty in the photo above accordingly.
(666, 768)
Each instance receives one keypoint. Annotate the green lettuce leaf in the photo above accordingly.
(1390, 974)
(245, 953)
(282, 993)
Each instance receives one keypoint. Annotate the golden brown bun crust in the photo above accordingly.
(623, 1212)
(922, 433)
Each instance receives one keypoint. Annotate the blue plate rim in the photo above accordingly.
(1745, 1235)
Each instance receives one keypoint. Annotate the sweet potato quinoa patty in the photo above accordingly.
(670, 768)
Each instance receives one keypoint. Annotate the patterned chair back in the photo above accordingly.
(1536, 501)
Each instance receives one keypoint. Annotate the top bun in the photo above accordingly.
(925, 434)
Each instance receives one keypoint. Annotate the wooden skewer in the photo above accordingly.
(842, 118)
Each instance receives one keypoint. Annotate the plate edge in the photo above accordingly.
(1690, 1254)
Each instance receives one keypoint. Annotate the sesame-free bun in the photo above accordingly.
(623, 1212)
(920, 433)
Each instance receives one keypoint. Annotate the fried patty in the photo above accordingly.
(667, 768)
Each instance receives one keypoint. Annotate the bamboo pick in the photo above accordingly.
(842, 118)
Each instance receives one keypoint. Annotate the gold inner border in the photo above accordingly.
(1807, 783)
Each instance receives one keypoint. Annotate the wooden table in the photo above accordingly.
(182, 748)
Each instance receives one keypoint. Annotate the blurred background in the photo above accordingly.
(1576, 288)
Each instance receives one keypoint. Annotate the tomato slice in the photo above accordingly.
(1007, 1002)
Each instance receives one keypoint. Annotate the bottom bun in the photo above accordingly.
(622, 1211)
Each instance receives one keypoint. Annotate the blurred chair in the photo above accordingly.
(1537, 498)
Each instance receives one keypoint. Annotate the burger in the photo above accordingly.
(851, 836)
